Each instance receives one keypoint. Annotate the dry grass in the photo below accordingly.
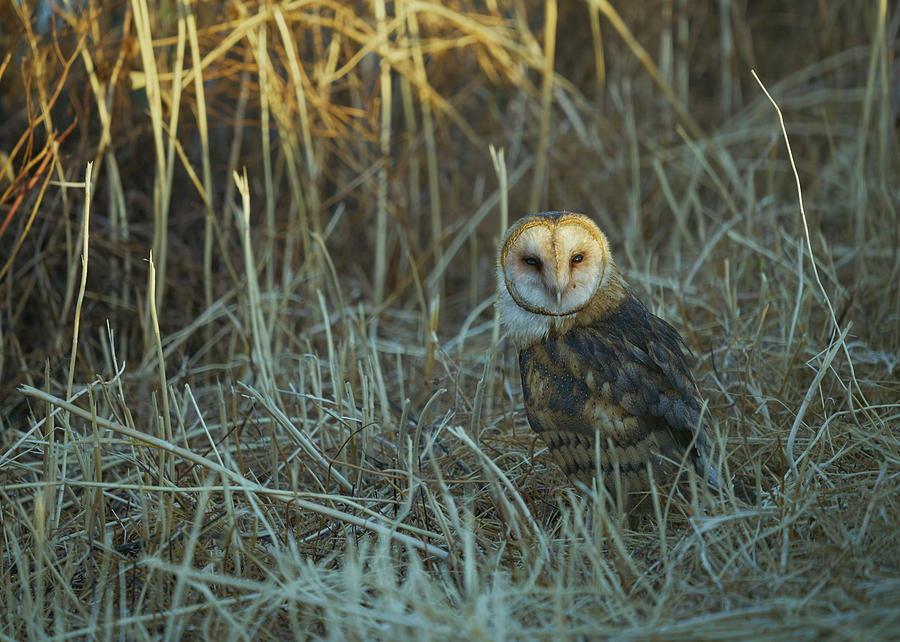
(252, 382)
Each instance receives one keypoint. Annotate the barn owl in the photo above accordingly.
(596, 364)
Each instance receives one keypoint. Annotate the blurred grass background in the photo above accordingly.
(299, 417)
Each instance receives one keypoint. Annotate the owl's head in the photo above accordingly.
(552, 266)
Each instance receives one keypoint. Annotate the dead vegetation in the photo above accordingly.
(251, 381)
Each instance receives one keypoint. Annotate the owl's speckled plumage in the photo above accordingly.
(595, 363)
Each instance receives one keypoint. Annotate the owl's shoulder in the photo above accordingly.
(628, 356)
(630, 333)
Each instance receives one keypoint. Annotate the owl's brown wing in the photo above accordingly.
(624, 377)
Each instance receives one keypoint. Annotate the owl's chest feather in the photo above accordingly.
(558, 392)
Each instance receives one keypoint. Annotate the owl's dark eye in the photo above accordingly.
(533, 262)
(578, 258)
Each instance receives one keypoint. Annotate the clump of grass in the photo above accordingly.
(252, 382)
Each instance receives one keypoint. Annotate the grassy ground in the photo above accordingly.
(252, 384)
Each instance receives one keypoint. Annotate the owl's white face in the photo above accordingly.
(550, 266)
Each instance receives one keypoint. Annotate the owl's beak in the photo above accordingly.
(561, 283)
(557, 293)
